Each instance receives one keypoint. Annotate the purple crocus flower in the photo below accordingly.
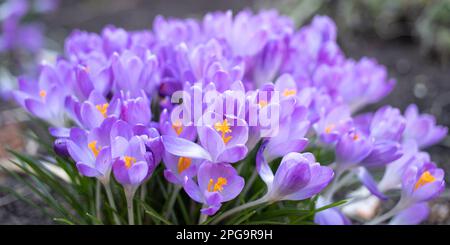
(216, 183)
(332, 124)
(366, 82)
(81, 45)
(224, 138)
(291, 135)
(352, 148)
(132, 109)
(298, 177)
(133, 74)
(90, 113)
(133, 163)
(44, 98)
(91, 151)
(413, 215)
(422, 128)
(387, 124)
(114, 39)
(392, 178)
(421, 182)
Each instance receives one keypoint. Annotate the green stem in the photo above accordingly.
(172, 200)
(239, 208)
(202, 217)
(129, 195)
(98, 200)
(110, 197)
(249, 184)
(400, 206)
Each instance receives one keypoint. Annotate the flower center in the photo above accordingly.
(424, 179)
(224, 128)
(43, 94)
(329, 128)
(183, 164)
(218, 186)
(93, 147)
(355, 136)
(289, 92)
(129, 161)
(263, 103)
(177, 127)
(103, 109)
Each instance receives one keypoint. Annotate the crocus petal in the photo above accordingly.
(193, 190)
(37, 108)
(264, 171)
(137, 172)
(412, 215)
(185, 148)
(320, 178)
(366, 178)
(233, 154)
(87, 170)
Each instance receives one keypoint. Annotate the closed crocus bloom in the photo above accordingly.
(422, 182)
(134, 110)
(329, 216)
(366, 82)
(216, 183)
(132, 73)
(422, 128)
(413, 215)
(387, 124)
(114, 39)
(298, 177)
(383, 152)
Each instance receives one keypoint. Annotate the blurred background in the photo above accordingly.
(410, 37)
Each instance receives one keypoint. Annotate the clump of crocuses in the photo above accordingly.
(205, 99)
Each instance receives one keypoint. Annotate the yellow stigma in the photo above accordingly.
(224, 128)
(43, 94)
(289, 92)
(177, 127)
(129, 161)
(183, 164)
(355, 137)
(329, 128)
(263, 103)
(103, 109)
(93, 147)
(424, 179)
(218, 186)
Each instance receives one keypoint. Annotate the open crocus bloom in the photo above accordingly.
(216, 183)
(92, 157)
(43, 98)
(298, 177)
(133, 164)
(333, 124)
(422, 182)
